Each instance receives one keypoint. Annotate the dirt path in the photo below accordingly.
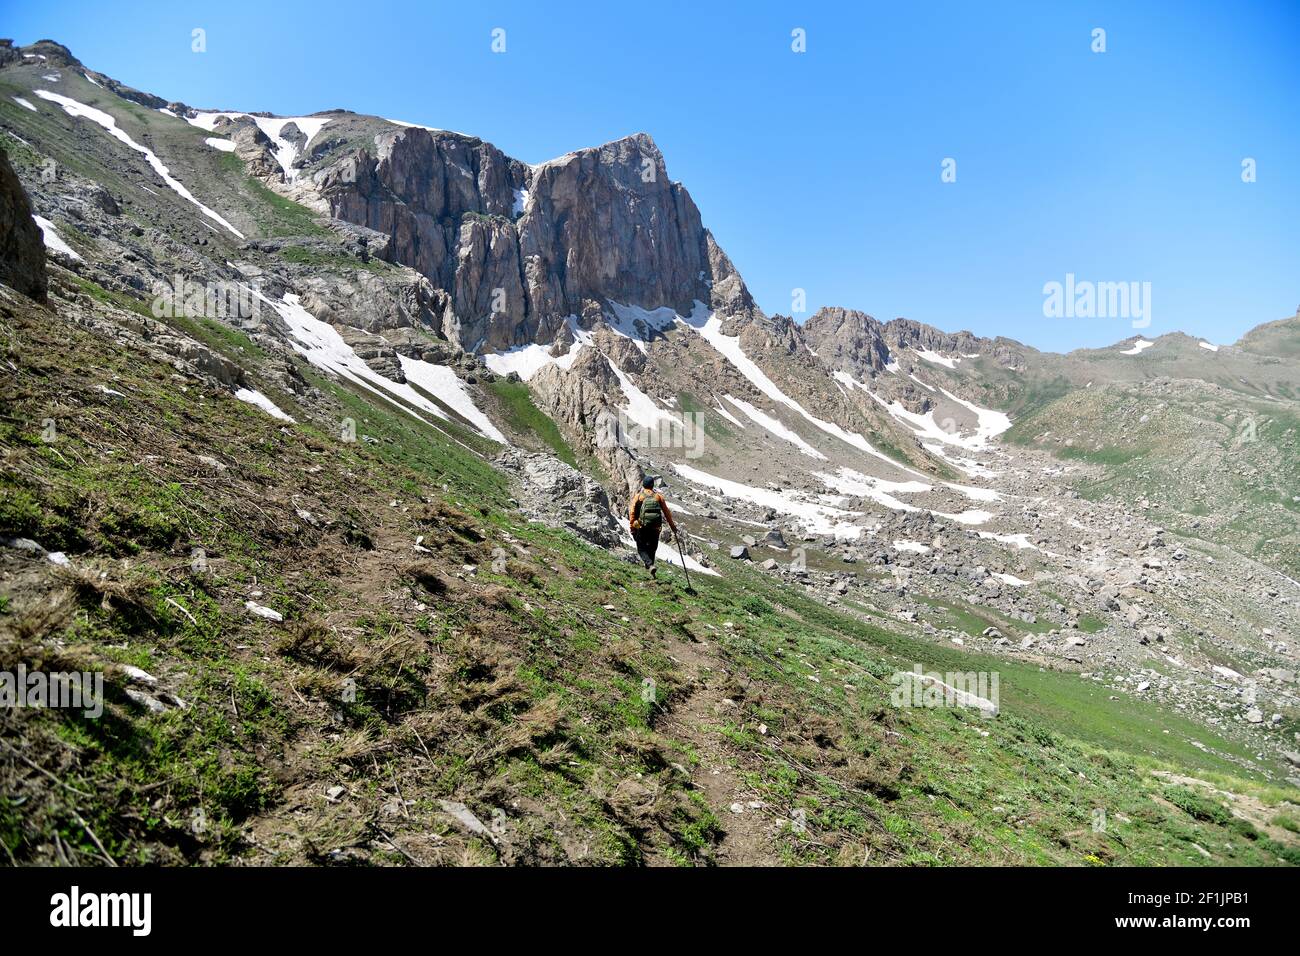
(697, 719)
(1244, 806)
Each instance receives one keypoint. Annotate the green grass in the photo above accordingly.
(714, 424)
(1109, 456)
(974, 619)
(445, 454)
(275, 215)
(1032, 398)
(1246, 487)
(233, 343)
(519, 412)
(1090, 623)
(119, 299)
(314, 257)
(1287, 823)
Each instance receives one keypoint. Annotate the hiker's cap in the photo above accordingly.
(649, 482)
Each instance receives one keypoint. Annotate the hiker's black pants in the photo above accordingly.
(647, 542)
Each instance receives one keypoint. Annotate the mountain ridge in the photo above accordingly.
(641, 139)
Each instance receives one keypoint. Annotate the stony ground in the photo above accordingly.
(1097, 588)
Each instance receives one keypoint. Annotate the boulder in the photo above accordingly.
(22, 249)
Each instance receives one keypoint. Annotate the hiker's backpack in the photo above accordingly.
(649, 511)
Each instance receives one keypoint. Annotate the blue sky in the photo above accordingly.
(821, 170)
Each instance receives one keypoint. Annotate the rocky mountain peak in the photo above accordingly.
(48, 52)
(847, 339)
(520, 248)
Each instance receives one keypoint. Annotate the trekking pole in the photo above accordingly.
(677, 535)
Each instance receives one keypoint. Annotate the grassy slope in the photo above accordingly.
(83, 147)
(1188, 453)
(513, 690)
(514, 405)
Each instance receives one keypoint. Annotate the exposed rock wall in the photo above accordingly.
(22, 250)
(520, 248)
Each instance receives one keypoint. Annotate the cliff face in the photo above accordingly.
(607, 223)
(22, 250)
(426, 190)
(519, 248)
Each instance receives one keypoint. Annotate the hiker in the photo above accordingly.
(646, 516)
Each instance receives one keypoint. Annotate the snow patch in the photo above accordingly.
(936, 358)
(709, 326)
(75, 109)
(641, 408)
(1208, 347)
(431, 129)
(729, 417)
(1138, 347)
(969, 466)
(914, 546)
(225, 145)
(22, 102)
(285, 151)
(265, 404)
(673, 557)
(882, 492)
(52, 238)
(634, 322)
(776, 428)
(850, 482)
(989, 423)
(320, 343)
(450, 389)
(815, 517)
(1020, 540)
(527, 360)
(975, 494)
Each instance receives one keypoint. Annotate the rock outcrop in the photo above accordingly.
(445, 201)
(554, 492)
(579, 400)
(520, 248)
(862, 345)
(851, 339)
(22, 250)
